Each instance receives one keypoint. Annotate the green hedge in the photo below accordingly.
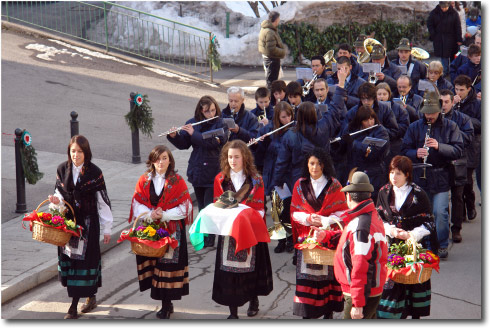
(307, 40)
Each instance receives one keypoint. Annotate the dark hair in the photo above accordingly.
(403, 164)
(367, 90)
(346, 47)
(205, 101)
(262, 92)
(359, 196)
(463, 80)
(446, 92)
(321, 80)
(249, 168)
(474, 50)
(406, 77)
(281, 106)
(344, 60)
(320, 58)
(363, 113)
(294, 89)
(273, 15)
(324, 159)
(82, 142)
(306, 115)
(278, 85)
(155, 153)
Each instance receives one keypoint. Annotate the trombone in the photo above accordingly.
(180, 128)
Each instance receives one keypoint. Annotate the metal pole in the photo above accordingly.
(20, 206)
(135, 135)
(74, 124)
(7, 10)
(227, 25)
(106, 30)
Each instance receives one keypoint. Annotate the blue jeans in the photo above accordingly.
(440, 209)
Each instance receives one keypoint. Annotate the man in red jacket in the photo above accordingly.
(362, 252)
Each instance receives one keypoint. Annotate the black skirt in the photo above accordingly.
(167, 281)
(236, 289)
(399, 301)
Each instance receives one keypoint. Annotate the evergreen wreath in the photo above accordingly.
(29, 160)
(214, 57)
(140, 117)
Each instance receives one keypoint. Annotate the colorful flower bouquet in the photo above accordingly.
(52, 227)
(149, 239)
(409, 263)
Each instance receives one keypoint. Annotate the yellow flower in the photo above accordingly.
(70, 223)
(150, 231)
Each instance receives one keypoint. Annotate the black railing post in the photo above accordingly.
(135, 135)
(20, 206)
(74, 124)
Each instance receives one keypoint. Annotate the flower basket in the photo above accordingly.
(146, 247)
(49, 234)
(416, 270)
(319, 254)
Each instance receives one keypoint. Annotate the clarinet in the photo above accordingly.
(427, 136)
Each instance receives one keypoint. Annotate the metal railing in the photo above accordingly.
(120, 28)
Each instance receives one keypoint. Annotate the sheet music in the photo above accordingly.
(230, 122)
(213, 133)
(403, 68)
(426, 85)
(368, 67)
(334, 67)
(304, 73)
(283, 191)
(374, 141)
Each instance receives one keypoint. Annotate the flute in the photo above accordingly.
(354, 133)
(178, 129)
(268, 134)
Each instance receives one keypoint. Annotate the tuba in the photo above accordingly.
(420, 54)
(368, 47)
(278, 230)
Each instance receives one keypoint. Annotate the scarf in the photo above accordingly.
(174, 193)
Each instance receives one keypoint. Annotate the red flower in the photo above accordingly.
(46, 216)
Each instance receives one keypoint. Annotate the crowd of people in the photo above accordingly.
(374, 154)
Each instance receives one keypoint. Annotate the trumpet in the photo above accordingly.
(329, 59)
(427, 136)
(307, 86)
(180, 128)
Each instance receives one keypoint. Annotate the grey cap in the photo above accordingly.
(359, 183)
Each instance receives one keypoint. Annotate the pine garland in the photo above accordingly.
(29, 164)
(214, 57)
(140, 117)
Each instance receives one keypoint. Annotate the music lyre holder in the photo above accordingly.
(374, 142)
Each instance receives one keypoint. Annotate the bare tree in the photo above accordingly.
(255, 7)
(265, 6)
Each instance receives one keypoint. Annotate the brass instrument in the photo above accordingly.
(180, 128)
(368, 48)
(261, 117)
(404, 99)
(278, 230)
(307, 86)
(372, 78)
(420, 54)
(427, 136)
(329, 59)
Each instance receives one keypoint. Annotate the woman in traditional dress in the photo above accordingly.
(240, 278)
(405, 209)
(266, 153)
(316, 198)
(163, 195)
(204, 160)
(81, 184)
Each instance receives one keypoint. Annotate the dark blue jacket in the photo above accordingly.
(295, 145)
(269, 111)
(419, 71)
(351, 87)
(413, 103)
(204, 160)
(374, 163)
(455, 64)
(451, 147)
(356, 67)
(443, 84)
(391, 72)
(469, 69)
(311, 95)
(385, 116)
(403, 121)
(249, 126)
(267, 152)
(471, 106)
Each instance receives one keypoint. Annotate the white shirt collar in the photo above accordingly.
(75, 172)
(401, 195)
(403, 188)
(237, 178)
(318, 184)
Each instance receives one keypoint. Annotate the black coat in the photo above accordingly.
(413, 102)
(471, 106)
(419, 71)
(204, 160)
(451, 146)
(444, 31)
(269, 112)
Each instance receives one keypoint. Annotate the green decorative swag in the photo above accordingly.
(29, 164)
(140, 117)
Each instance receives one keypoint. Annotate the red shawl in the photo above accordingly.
(334, 201)
(175, 192)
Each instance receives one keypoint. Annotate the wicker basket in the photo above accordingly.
(145, 250)
(48, 234)
(413, 277)
(318, 255)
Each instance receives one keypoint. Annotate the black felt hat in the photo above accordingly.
(226, 200)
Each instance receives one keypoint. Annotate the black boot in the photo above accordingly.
(328, 315)
(167, 308)
(72, 311)
(281, 246)
(233, 312)
(289, 244)
(295, 257)
(209, 240)
(253, 307)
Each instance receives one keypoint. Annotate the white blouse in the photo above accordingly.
(104, 211)
(318, 184)
(237, 178)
